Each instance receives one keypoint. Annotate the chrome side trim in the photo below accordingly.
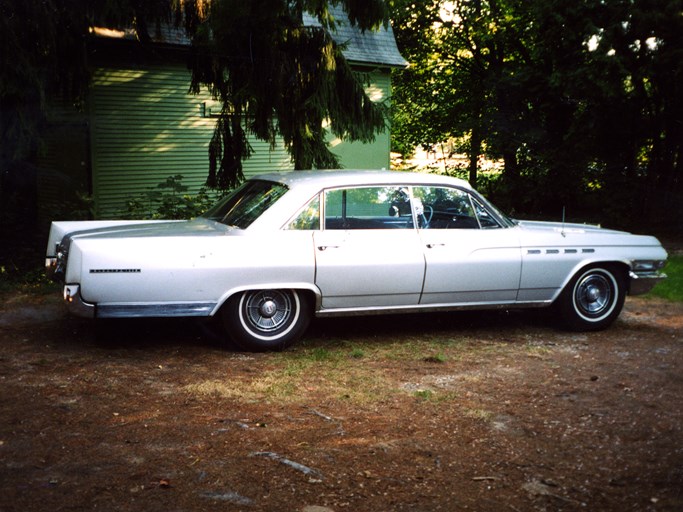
(162, 310)
(643, 282)
(326, 313)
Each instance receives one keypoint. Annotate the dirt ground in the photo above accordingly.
(486, 412)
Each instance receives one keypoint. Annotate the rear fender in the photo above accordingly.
(271, 286)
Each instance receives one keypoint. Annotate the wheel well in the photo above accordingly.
(309, 294)
(588, 302)
(618, 267)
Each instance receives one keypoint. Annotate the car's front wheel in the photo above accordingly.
(260, 320)
(593, 298)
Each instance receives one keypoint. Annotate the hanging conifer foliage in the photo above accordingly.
(276, 76)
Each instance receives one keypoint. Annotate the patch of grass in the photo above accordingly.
(479, 414)
(321, 354)
(435, 348)
(338, 370)
(300, 374)
(357, 353)
(537, 351)
(437, 358)
(434, 397)
(672, 287)
(423, 394)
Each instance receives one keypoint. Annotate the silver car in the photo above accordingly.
(285, 247)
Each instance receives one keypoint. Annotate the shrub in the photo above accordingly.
(169, 200)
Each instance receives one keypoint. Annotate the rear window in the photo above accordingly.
(246, 204)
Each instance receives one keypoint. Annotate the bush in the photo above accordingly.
(169, 200)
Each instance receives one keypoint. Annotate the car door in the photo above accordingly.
(471, 257)
(368, 254)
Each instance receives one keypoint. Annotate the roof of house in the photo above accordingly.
(369, 47)
(372, 47)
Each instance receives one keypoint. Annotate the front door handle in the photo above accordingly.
(432, 246)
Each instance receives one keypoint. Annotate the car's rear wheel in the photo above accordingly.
(593, 298)
(260, 320)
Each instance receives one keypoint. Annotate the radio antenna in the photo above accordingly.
(562, 231)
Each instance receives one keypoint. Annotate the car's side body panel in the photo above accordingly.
(186, 270)
(471, 266)
(366, 268)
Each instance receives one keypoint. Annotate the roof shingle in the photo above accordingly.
(369, 47)
(372, 47)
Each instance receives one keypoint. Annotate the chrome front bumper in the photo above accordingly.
(643, 282)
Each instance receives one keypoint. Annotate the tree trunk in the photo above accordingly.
(475, 151)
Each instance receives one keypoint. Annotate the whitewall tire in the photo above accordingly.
(260, 320)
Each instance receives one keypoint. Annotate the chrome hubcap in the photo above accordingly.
(594, 294)
(267, 311)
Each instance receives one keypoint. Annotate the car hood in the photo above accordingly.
(534, 233)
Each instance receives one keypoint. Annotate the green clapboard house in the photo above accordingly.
(141, 125)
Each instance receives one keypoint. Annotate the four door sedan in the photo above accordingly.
(285, 247)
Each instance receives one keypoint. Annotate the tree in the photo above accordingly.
(35, 40)
(276, 76)
(273, 75)
(463, 57)
(582, 99)
(636, 59)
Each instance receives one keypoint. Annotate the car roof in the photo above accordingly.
(355, 177)
(304, 185)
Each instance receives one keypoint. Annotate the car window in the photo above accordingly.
(247, 203)
(308, 217)
(368, 208)
(445, 208)
(484, 216)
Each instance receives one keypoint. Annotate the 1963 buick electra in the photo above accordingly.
(285, 247)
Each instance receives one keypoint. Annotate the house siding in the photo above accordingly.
(377, 154)
(146, 127)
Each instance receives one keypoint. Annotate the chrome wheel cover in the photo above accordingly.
(267, 311)
(594, 295)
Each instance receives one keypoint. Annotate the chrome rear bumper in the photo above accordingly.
(75, 303)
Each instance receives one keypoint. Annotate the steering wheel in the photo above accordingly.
(427, 215)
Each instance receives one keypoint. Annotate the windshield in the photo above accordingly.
(507, 221)
(246, 204)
